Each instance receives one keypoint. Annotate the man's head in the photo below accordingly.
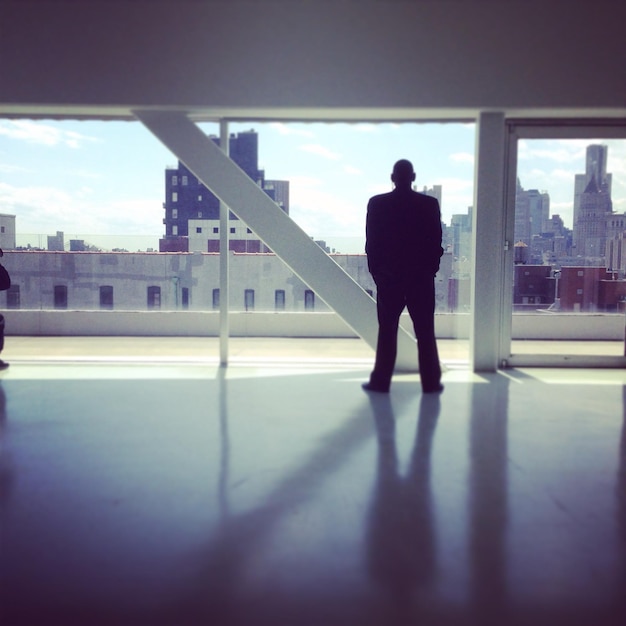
(403, 174)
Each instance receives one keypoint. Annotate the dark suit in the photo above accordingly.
(403, 252)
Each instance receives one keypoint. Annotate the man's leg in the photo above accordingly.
(389, 304)
(421, 306)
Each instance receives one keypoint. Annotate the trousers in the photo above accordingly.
(417, 294)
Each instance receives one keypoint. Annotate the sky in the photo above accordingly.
(104, 181)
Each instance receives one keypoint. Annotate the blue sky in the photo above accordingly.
(92, 179)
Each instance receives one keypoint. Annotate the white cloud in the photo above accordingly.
(45, 210)
(42, 134)
(462, 157)
(290, 129)
(349, 169)
(319, 150)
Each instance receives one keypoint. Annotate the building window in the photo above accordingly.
(174, 214)
(232, 231)
(154, 297)
(174, 180)
(2, 229)
(60, 296)
(185, 180)
(581, 273)
(199, 214)
(198, 229)
(248, 231)
(175, 229)
(185, 297)
(174, 196)
(309, 300)
(216, 230)
(13, 297)
(579, 292)
(106, 297)
(279, 299)
(369, 292)
(216, 299)
(248, 299)
(199, 198)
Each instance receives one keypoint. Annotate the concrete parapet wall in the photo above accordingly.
(598, 327)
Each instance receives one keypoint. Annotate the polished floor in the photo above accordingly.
(175, 492)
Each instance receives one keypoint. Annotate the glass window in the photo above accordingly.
(13, 297)
(174, 196)
(154, 297)
(248, 298)
(279, 299)
(185, 297)
(199, 229)
(174, 214)
(174, 180)
(216, 299)
(185, 180)
(309, 300)
(106, 297)
(60, 296)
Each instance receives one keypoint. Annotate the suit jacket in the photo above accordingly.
(403, 235)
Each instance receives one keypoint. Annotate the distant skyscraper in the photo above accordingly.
(595, 167)
(592, 205)
(187, 199)
(532, 210)
(435, 192)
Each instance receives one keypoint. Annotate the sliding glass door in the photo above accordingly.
(565, 237)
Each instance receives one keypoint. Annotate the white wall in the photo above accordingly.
(267, 324)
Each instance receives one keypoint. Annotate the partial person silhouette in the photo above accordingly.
(403, 246)
(401, 540)
(5, 283)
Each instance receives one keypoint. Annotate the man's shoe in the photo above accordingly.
(437, 389)
(370, 387)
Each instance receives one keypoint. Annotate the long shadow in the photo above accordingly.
(488, 500)
(213, 596)
(401, 550)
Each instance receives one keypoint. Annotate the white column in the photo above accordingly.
(488, 240)
(279, 232)
(224, 256)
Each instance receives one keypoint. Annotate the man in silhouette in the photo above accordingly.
(403, 246)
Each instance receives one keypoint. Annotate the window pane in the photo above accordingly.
(570, 221)
(106, 297)
(60, 297)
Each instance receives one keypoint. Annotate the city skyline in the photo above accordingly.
(104, 179)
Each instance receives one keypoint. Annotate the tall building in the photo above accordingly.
(595, 169)
(187, 199)
(590, 231)
(532, 210)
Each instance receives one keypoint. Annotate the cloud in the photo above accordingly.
(319, 150)
(290, 129)
(462, 157)
(45, 210)
(42, 134)
(350, 169)
(571, 152)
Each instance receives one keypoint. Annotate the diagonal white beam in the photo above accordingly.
(271, 224)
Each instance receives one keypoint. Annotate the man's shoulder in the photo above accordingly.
(381, 198)
(425, 199)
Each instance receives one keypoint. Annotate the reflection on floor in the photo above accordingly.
(181, 494)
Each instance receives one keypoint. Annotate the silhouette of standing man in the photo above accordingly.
(403, 246)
